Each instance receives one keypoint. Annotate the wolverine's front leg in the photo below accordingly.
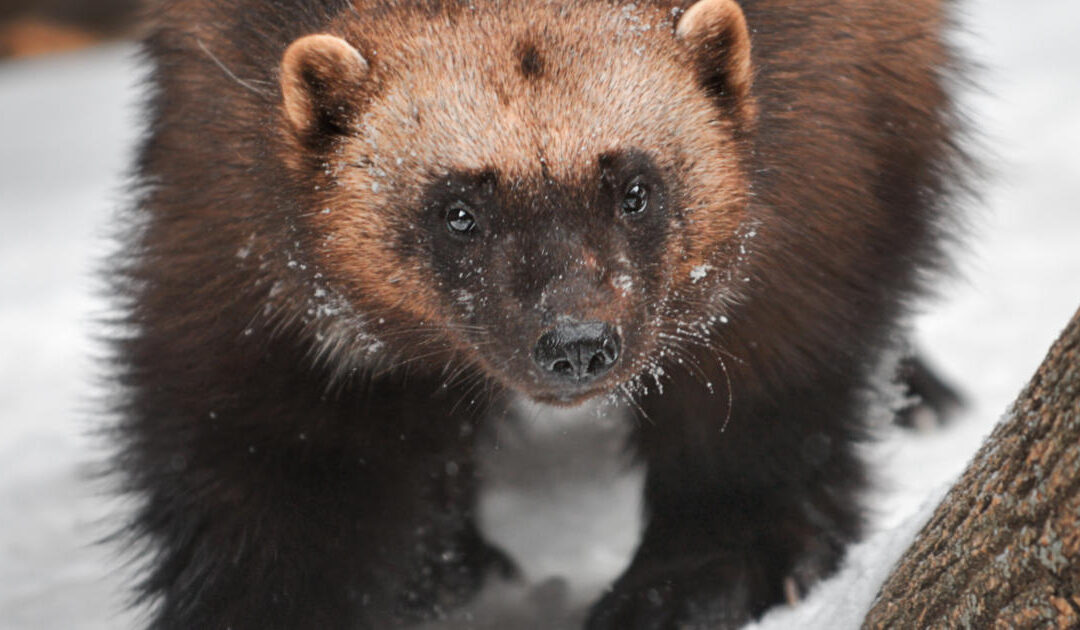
(289, 511)
(743, 512)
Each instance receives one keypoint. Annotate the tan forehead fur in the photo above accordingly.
(455, 94)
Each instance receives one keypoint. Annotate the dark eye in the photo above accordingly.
(459, 219)
(636, 199)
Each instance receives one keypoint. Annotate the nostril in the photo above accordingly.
(610, 349)
(598, 363)
(577, 351)
(606, 355)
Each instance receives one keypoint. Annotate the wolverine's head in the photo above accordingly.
(553, 191)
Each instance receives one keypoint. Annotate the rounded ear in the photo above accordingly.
(717, 35)
(323, 85)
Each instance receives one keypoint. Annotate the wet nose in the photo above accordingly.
(577, 352)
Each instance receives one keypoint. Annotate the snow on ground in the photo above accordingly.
(567, 511)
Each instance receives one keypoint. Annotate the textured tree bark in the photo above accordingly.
(1003, 548)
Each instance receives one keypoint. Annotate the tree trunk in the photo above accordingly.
(1003, 548)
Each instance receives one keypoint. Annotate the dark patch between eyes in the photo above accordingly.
(530, 61)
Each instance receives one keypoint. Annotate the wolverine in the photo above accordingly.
(364, 230)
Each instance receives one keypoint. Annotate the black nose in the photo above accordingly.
(577, 352)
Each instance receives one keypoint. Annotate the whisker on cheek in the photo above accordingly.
(628, 396)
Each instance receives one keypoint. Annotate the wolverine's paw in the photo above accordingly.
(713, 595)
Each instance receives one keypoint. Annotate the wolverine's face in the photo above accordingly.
(548, 192)
(555, 282)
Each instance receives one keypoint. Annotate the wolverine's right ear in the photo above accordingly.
(322, 85)
(717, 35)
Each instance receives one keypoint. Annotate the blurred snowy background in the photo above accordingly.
(67, 127)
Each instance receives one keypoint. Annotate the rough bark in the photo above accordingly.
(1003, 548)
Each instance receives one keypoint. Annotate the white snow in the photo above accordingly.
(699, 272)
(566, 504)
(65, 133)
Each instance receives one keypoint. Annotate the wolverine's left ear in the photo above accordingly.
(323, 85)
(716, 33)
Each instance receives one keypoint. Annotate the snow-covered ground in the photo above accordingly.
(66, 132)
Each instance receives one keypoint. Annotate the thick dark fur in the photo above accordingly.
(281, 486)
